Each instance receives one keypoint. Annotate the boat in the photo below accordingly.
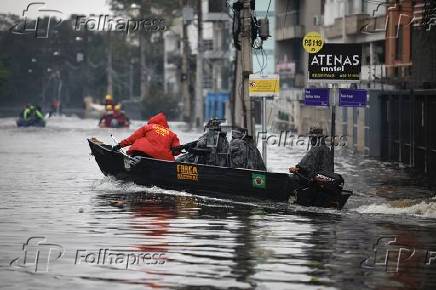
(32, 122)
(208, 180)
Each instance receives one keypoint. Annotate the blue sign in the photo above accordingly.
(316, 97)
(352, 98)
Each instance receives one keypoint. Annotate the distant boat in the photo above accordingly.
(33, 122)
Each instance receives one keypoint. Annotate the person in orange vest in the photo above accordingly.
(121, 119)
(155, 139)
(107, 118)
(108, 100)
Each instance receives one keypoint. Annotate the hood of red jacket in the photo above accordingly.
(159, 119)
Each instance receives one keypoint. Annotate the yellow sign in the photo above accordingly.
(187, 172)
(264, 86)
(313, 42)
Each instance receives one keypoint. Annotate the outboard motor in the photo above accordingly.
(212, 148)
(326, 190)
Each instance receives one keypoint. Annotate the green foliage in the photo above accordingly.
(29, 70)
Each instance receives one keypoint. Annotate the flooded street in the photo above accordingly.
(86, 231)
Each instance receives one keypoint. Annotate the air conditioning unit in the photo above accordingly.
(318, 20)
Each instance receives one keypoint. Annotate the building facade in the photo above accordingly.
(338, 21)
(216, 49)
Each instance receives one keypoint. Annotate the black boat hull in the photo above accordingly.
(198, 179)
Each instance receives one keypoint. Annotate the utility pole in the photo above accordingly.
(199, 76)
(247, 65)
(186, 77)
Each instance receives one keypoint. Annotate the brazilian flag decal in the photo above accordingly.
(258, 180)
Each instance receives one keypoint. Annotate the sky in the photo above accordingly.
(67, 7)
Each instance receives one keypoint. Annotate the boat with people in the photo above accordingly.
(31, 116)
(113, 117)
(193, 173)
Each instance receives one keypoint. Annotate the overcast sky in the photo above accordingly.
(66, 6)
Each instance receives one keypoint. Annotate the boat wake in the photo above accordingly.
(112, 185)
(419, 208)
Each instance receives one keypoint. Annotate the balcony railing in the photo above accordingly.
(288, 25)
(356, 24)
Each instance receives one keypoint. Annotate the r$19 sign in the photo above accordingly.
(313, 42)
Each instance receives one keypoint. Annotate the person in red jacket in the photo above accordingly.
(152, 140)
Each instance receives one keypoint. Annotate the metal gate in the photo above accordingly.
(409, 129)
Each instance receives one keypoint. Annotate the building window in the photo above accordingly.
(207, 81)
(399, 43)
(364, 6)
(207, 44)
(217, 6)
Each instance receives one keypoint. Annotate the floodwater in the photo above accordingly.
(63, 225)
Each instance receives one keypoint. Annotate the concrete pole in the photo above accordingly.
(247, 65)
(237, 100)
(199, 102)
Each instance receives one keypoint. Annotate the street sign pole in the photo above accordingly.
(263, 88)
(264, 137)
(333, 124)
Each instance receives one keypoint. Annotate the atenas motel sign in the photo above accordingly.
(336, 62)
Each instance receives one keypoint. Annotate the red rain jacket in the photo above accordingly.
(154, 139)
